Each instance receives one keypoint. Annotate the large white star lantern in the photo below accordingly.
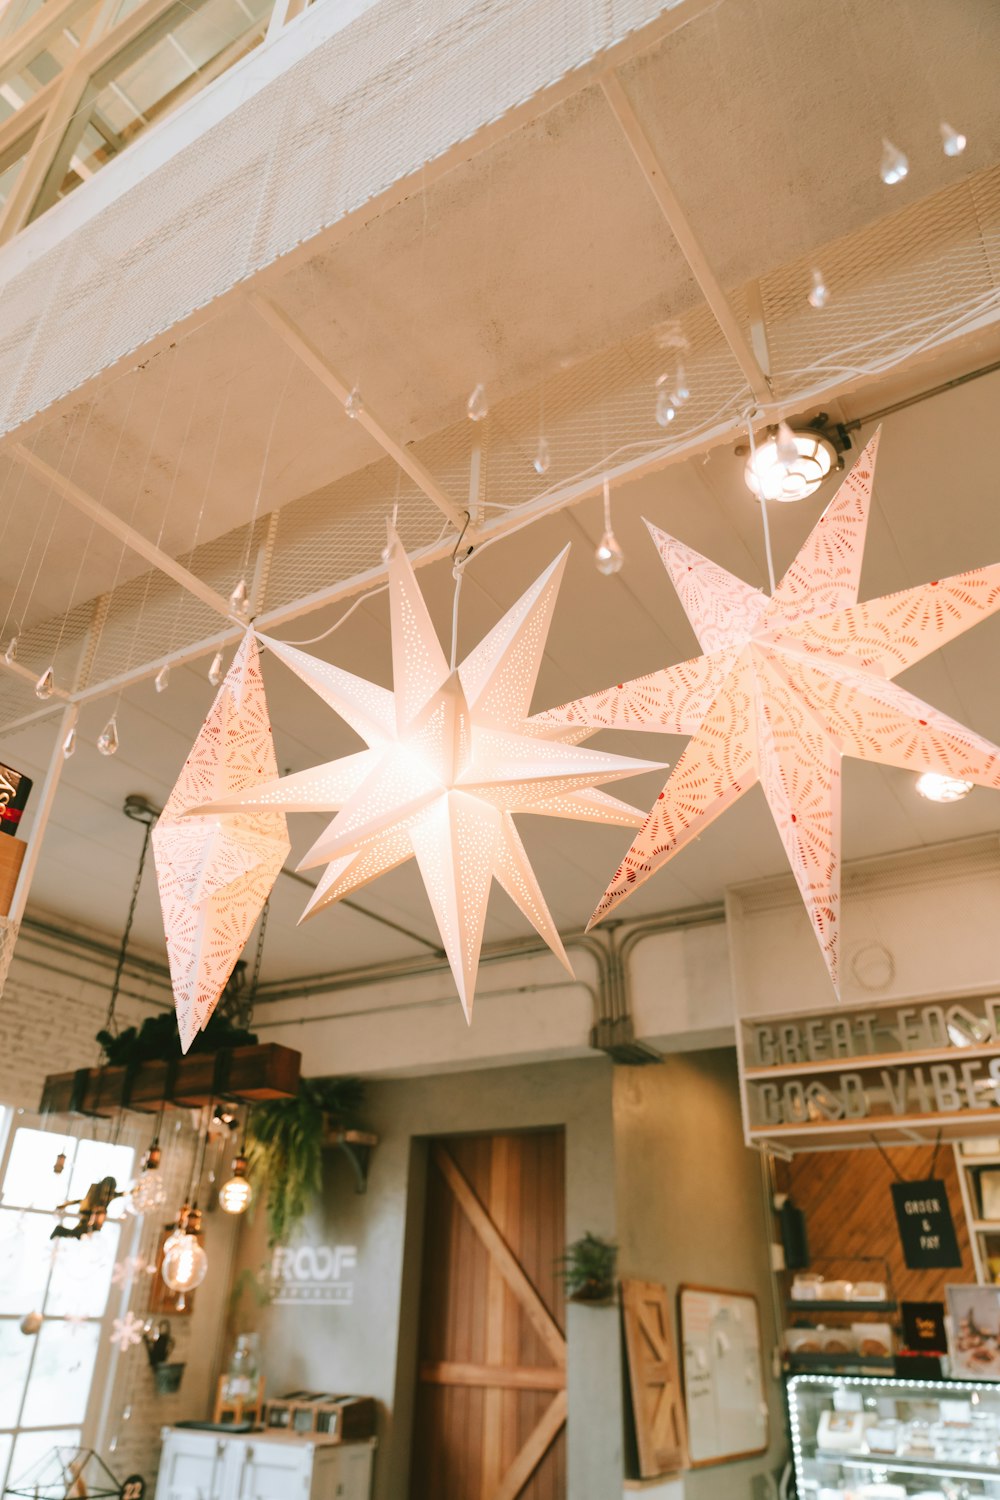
(451, 756)
(787, 685)
(215, 873)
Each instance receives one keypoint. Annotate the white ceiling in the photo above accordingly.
(935, 512)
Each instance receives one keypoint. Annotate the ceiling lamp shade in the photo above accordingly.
(215, 873)
(773, 473)
(450, 757)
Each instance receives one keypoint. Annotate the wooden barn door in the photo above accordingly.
(491, 1404)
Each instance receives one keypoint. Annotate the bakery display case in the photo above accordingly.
(859, 1437)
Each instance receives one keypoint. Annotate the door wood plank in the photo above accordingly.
(501, 1254)
(654, 1382)
(534, 1450)
(503, 1377)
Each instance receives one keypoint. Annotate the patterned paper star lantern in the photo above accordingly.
(216, 872)
(451, 756)
(788, 685)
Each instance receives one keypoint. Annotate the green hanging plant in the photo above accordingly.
(588, 1269)
(285, 1147)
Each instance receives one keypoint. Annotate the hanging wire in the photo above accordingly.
(763, 506)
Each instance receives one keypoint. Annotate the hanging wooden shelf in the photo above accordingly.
(357, 1146)
(247, 1075)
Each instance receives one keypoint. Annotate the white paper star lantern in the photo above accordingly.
(787, 686)
(451, 755)
(216, 872)
(126, 1332)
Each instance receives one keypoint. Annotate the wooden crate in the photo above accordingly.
(11, 860)
(244, 1074)
(344, 1419)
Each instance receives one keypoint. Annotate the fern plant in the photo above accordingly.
(285, 1147)
(588, 1269)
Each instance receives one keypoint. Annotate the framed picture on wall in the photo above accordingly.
(724, 1393)
(974, 1332)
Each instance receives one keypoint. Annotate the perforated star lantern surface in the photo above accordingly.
(450, 757)
(216, 872)
(788, 685)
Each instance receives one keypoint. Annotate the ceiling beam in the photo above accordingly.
(110, 522)
(317, 364)
(680, 227)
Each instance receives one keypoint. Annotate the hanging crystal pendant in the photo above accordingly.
(69, 744)
(894, 165)
(609, 557)
(477, 406)
(162, 679)
(45, 684)
(953, 142)
(239, 599)
(665, 409)
(819, 293)
(215, 670)
(682, 391)
(107, 740)
(542, 457)
(785, 446)
(10, 655)
(354, 405)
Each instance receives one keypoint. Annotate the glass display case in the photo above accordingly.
(857, 1437)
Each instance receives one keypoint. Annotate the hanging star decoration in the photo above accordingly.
(126, 1332)
(787, 685)
(451, 756)
(216, 872)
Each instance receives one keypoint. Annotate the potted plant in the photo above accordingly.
(588, 1269)
(285, 1147)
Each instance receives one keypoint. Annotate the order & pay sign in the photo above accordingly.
(893, 1072)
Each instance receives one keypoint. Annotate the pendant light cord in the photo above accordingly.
(763, 506)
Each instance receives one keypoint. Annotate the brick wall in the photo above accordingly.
(53, 1003)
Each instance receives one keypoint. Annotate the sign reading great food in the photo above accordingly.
(928, 1061)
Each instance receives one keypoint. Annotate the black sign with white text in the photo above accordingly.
(926, 1227)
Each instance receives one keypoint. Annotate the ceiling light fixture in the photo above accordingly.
(788, 464)
(938, 788)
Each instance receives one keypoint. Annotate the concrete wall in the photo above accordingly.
(371, 1345)
(691, 1210)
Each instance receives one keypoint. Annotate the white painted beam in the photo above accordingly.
(680, 227)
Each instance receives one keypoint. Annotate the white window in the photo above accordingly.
(48, 1392)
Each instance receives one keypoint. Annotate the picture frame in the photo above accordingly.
(974, 1331)
(722, 1366)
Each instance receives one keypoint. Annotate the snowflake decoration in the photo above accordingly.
(126, 1332)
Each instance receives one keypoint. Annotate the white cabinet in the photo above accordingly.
(250, 1466)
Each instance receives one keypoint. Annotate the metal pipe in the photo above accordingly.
(434, 1003)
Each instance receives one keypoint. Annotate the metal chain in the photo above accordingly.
(119, 968)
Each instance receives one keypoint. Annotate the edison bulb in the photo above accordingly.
(235, 1195)
(185, 1266)
(148, 1192)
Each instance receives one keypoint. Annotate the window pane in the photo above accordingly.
(96, 1159)
(5, 1444)
(61, 1374)
(25, 1258)
(15, 1356)
(30, 1181)
(32, 1446)
(81, 1275)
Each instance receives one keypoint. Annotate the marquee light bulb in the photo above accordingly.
(235, 1195)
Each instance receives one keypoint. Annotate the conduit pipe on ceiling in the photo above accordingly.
(434, 1002)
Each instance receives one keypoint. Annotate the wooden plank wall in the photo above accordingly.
(848, 1207)
(466, 1437)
